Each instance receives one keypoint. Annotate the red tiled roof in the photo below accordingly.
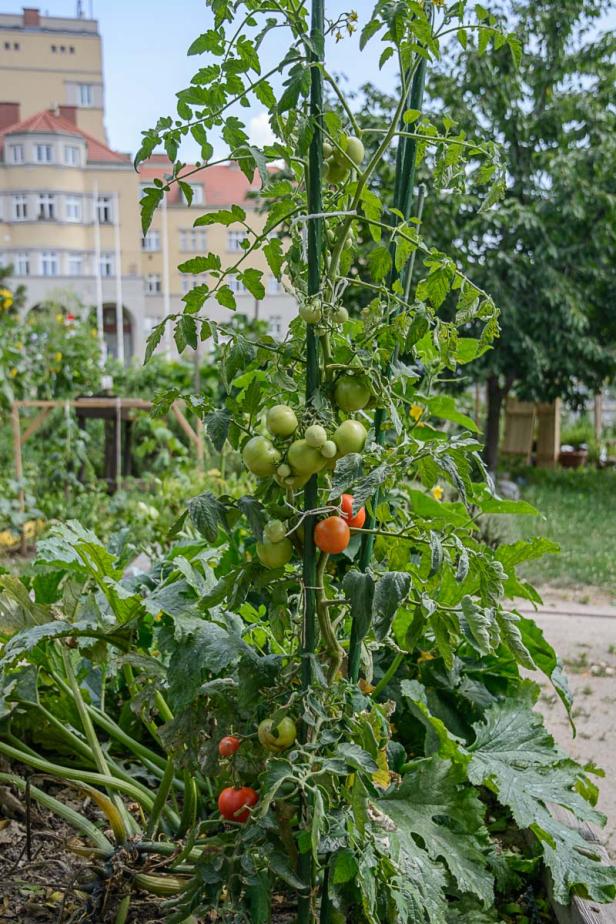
(47, 122)
(223, 184)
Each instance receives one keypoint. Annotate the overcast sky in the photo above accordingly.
(144, 48)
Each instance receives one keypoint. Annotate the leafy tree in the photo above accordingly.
(547, 254)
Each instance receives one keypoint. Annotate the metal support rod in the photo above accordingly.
(404, 189)
(314, 255)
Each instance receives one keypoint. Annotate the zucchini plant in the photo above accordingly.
(333, 667)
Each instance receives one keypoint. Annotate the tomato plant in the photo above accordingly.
(416, 757)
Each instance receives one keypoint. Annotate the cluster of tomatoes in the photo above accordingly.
(293, 459)
(236, 802)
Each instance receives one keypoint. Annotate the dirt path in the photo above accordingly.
(584, 635)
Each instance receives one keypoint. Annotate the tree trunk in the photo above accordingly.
(495, 395)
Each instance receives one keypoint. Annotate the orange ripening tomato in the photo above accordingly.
(346, 504)
(234, 804)
(228, 745)
(332, 535)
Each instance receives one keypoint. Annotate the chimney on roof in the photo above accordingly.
(31, 17)
(9, 115)
(69, 113)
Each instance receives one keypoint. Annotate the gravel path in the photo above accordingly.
(584, 635)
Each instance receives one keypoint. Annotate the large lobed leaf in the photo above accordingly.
(438, 818)
(515, 756)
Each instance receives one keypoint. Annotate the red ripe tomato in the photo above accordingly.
(332, 535)
(228, 745)
(357, 521)
(234, 804)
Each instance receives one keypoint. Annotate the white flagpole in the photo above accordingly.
(118, 275)
(99, 281)
(166, 294)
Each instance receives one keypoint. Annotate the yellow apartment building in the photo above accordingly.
(69, 204)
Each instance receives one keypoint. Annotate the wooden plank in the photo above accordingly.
(200, 445)
(548, 434)
(186, 427)
(138, 403)
(35, 424)
(598, 415)
(19, 469)
(519, 428)
(582, 910)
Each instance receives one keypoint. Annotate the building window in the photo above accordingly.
(197, 194)
(46, 207)
(16, 152)
(105, 210)
(236, 285)
(152, 284)
(21, 264)
(72, 208)
(151, 241)
(75, 264)
(86, 94)
(49, 263)
(235, 240)
(106, 264)
(43, 153)
(72, 155)
(193, 239)
(274, 286)
(20, 207)
(274, 325)
(191, 282)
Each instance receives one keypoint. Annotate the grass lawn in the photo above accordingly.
(578, 511)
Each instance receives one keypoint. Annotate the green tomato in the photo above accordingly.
(316, 436)
(304, 459)
(352, 392)
(310, 312)
(274, 531)
(335, 171)
(277, 736)
(284, 471)
(340, 315)
(260, 456)
(350, 436)
(355, 150)
(280, 420)
(275, 554)
(327, 150)
(329, 449)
